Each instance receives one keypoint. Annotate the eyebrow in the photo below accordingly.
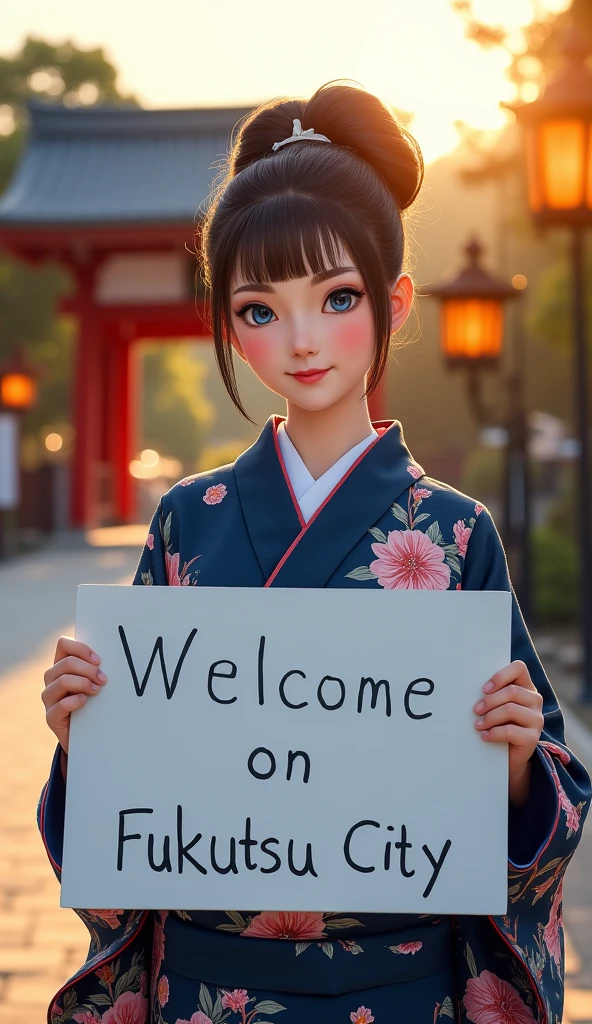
(317, 279)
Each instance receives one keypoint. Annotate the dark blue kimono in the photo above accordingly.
(386, 525)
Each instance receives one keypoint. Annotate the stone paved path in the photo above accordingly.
(41, 944)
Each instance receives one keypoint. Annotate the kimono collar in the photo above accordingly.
(292, 553)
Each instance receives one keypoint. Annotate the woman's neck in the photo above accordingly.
(321, 438)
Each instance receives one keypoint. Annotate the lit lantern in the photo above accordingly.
(18, 385)
(558, 137)
(472, 313)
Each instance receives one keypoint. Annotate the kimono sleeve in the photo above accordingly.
(560, 784)
(151, 571)
(152, 567)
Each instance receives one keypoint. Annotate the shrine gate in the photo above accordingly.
(114, 194)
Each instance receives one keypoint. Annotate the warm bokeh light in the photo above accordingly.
(17, 391)
(149, 457)
(415, 56)
(472, 329)
(519, 281)
(164, 468)
(53, 442)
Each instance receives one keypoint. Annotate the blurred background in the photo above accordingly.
(101, 186)
(114, 122)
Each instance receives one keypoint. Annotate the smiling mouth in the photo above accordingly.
(310, 376)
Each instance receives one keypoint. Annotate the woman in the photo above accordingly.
(303, 253)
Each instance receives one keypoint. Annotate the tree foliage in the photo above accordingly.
(535, 50)
(69, 75)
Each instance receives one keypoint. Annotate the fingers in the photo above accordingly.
(516, 673)
(72, 683)
(512, 693)
(72, 678)
(511, 714)
(58, 716)
(67, 645)
(72, 665)
(515, 735)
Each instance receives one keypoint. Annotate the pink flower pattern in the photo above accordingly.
(407, 947)
(215, 494)
(196, 1018)
(286, 925)
(419, 493)
(410, 561)
(556, 751)
(415, 471)
(461, 536)
(490, 1000)
(150, 542)
(235, 1000)
(552, 930)
(130, 1008)
(361, 1016)
(107, 917)
(572, 813)
(163, 990)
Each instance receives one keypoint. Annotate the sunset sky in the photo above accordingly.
(239, 52)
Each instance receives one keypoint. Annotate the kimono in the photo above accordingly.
(385, 524)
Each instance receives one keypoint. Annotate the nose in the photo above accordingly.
(302, 341)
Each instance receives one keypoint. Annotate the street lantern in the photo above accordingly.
(472, 313)
(18, 392)
(471, 337)
(558, 136)
(18, 384)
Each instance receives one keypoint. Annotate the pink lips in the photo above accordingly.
(310, 376)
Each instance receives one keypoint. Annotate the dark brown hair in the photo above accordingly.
(276, 215)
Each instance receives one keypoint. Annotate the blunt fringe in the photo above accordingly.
(285, 214)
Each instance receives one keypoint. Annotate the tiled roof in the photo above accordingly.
(116, 165)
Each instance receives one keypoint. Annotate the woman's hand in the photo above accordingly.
(73, 676)
(512, 712)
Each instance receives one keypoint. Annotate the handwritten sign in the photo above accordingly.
(288, 750)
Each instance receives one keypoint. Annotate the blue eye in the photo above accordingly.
(343, 299)
(261, 315)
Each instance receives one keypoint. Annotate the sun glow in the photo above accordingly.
(413, 55)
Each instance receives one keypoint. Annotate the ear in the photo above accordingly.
(402, 300)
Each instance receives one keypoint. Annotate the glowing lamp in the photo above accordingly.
(558, 138)
(472, 313)
(17, 391)
(18, 383)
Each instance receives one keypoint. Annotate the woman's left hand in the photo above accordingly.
(512, 712)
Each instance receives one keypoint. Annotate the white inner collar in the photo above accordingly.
(310, 493)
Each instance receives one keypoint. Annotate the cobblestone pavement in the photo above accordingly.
(41, 944)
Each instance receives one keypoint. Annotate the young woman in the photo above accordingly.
(303, 253)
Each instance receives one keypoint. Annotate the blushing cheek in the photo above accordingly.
(354, 340)
(260, 352)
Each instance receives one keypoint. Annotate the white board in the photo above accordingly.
(420, 777)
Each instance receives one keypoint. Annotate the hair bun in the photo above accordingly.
(350, 117)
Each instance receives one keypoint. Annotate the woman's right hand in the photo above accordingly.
(74, 676)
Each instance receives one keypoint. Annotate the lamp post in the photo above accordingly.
(558, 138)
(471, 336)
(18, 392)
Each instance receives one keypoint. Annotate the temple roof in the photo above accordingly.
(116, 165)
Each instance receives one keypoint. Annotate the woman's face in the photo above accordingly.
(311, 339)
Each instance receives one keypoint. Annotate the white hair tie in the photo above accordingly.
(298, 134)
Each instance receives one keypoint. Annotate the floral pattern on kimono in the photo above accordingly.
(386, 525)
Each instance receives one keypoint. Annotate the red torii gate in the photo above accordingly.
(112, 193)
